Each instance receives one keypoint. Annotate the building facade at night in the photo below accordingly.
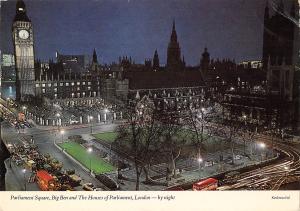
(275, 103)
(74, 80)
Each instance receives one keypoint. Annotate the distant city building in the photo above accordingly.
(274, 102)
(8, 67)
(8, 60)
(73, 63)
(252, 64)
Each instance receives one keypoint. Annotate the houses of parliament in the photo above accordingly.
(74, 80)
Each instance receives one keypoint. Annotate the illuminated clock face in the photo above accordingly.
(23, 34)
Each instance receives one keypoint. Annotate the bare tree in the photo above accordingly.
(138, 135)
(172, 140)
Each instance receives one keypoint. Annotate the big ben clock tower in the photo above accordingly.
(24, 56)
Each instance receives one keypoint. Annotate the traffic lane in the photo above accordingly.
(16, 180)
(280, 172)
(48, 147)
(45, 145)
(82, 130)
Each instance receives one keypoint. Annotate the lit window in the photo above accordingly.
(89, 88)
(55, 96)
(49, 85)
(61, 84)
(67, 84)
(37, 85)
(83, 83)
(43, 85)
(78, 83)
(78, 88)
(89, 83)
(72, 83)
(55, 84)
(55, 89)
(43, 91)
(72, 94)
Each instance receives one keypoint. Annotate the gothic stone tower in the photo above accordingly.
(280, 49)
(174, 62)
(24, 55)
(280, 60)
(204, 62)
(155, 61)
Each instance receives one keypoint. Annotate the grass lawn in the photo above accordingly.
(106, 136)
(80, 154)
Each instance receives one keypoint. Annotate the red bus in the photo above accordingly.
(207, 184)
(46, 181)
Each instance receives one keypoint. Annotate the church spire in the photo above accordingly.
(174, 34)
(174, 62)
(95, 59)
(155, 61)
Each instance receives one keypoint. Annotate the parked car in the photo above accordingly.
(88, 187)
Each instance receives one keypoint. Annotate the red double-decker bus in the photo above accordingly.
(208, 184)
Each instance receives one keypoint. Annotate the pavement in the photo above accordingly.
(192, 172)
(44, 139)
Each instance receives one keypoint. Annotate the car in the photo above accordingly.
(19, 162)
(27, 124)
(208, 163)
(88, 187)
(238, 157)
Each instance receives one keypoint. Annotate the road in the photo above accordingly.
(273, 176)
(44, 139)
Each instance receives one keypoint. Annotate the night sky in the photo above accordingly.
(229, 28)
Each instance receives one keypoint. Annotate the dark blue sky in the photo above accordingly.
(229, 28)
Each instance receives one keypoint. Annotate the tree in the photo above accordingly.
(139, 135)
(172, 140)
(197, 123)
(203, 124)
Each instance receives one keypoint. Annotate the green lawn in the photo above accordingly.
(79, 153)
(106, 136)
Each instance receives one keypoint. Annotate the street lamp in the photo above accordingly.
(91, 123)
(90, 150)
(262, 146)
(245, 118)
(24, 109)
(200, 160)
(105, 114)
(286, 168)
(24, 175)
(62, 135)
(57, 118)
(7, 99)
